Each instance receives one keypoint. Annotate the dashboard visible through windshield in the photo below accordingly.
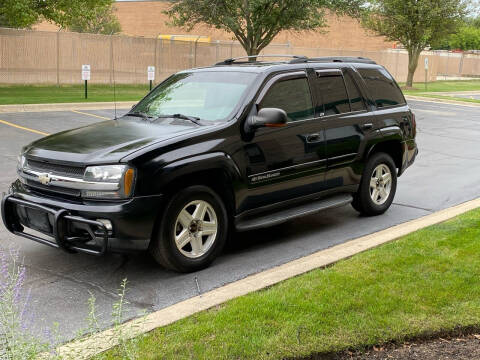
(209, 95)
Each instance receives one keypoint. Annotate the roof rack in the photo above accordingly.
(342, 59)
(298, 59)
(232, 60)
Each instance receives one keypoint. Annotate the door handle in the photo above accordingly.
(367, 126)
(313, 137)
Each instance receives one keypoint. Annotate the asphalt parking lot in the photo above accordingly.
(446, 173)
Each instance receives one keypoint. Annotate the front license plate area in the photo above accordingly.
(35, 219)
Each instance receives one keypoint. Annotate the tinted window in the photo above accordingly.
(382, 87)
(334, 94)
(293, 96)
(356, 99)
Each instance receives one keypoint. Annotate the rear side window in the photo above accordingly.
(293, 96)
(356, 99)
(334, 94)
(382, 87)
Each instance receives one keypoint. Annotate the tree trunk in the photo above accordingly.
(413, 56)
(251, 51)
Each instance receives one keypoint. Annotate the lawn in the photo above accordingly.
(425, 283)
(43, 94)
(445, 86)
(39, 94)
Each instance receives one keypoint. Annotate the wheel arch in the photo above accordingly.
(215, 170)
(394, 148)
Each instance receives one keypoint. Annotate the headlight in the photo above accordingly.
(123, 175)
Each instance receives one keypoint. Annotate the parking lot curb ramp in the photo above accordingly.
(65, 106)
(105, 340)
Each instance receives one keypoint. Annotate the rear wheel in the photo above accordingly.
(377, 187)
(193, 230)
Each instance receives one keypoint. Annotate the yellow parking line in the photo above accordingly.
(23, 128)
(97, 116)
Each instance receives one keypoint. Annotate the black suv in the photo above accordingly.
(241, 145)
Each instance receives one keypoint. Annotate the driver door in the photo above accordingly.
(288, 162)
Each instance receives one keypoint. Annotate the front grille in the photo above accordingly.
(52, 190)
(56, 169)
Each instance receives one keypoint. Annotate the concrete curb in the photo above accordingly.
(107, 339)
(441, 101)
(65, 106)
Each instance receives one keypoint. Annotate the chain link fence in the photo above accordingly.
(40, 57)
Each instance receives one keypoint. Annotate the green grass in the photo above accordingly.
(39, 94)
(445, 86)
(424, 283)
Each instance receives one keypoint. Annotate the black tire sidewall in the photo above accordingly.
(364, 201)
(166, 232)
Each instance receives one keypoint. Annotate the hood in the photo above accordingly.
(107, 141)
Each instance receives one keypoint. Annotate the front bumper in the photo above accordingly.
(73, 225)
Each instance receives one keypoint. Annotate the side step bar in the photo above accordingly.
(284, 215)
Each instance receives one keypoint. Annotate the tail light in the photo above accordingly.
(414, 125)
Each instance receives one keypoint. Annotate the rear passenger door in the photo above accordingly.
(347, 125)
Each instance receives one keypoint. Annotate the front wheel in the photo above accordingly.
(377, 187)
(192, 232)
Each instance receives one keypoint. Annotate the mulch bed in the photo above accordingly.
(458, 348)
(461, 344)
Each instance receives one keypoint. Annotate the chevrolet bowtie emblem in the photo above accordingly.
(44, 179)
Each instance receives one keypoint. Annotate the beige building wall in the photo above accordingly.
(146, 18)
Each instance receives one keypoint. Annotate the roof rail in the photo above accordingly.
(343, 59)
(299, 59)
(232, 60)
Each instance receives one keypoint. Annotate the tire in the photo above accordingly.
(363, 200)
(196, 219)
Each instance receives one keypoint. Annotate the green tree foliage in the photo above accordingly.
(100, 20)
(415, 23)
(255, 23)
(25, 13)
(466, 38)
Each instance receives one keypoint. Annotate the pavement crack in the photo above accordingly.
(110, 294)
(414, 207)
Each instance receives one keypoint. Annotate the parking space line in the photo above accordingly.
(97, 116)
(23, 128)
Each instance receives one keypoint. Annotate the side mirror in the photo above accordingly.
(268, 117)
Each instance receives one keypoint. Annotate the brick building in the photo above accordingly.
(146, 18)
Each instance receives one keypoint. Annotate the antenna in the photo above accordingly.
(113, 77)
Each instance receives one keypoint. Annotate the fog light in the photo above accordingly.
(107, 223)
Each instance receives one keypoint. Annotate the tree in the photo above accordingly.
(415, 23)
(25, 13)
(100, 20)
(255, 23)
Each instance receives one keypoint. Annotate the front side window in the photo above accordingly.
(334, 94)
(209, 95)
(291, 95)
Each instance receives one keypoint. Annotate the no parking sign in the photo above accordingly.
(85, 72)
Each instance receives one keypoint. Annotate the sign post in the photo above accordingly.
(86, 77)
(151, 75)
(426, 73)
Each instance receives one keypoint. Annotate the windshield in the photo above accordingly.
(209, 95)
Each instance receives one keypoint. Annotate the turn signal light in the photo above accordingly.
(128, 182)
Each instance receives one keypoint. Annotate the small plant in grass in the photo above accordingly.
(16, 318)
(16, 342)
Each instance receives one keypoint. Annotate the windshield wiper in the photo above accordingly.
(143, 115)
(193, 119)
